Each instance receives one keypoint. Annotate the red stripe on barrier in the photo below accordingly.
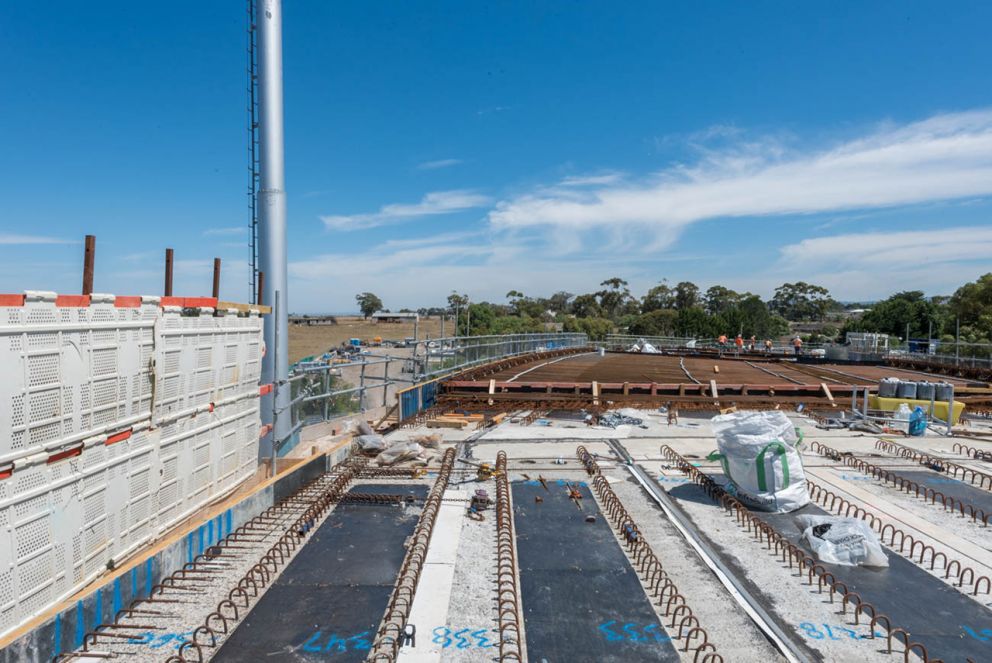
(200, 302)
(118, 437)
(68, 453)
(72, 300)
(127, 302)
(11, 300)
(6, 471)
(170, 301)
(265, 389)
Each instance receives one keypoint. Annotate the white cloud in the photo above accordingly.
(886, 250)
(225, 232)
(432, 204)
(601, 179)
(14, 239)
(945, 157)
(440, 163)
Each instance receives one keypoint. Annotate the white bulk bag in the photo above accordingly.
(844, 541)
(759, 457)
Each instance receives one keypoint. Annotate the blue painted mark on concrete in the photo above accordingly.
(210, 532)
(118, 601)
(189, 547)
(227, 517)
(983, 635)
(80, 625)
(134, 582)
(199, 540)
(98, 608)
(148, 577)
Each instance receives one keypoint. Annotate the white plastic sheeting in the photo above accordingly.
(118, 418)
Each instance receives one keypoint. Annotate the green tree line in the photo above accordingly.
(683, 309)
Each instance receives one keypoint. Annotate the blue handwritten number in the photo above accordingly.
(335, 641)
(978, 636)
(811, 631)
(658, 637)
(462, 642)
(361, 642)
(631, 630)
(312, 643)
(442, 632)
(610, 635)
(481, 639)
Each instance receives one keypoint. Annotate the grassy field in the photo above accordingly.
(305, 341)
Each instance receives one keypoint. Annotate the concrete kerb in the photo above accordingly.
(63, 629)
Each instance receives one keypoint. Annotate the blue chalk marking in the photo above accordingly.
(311, 644)
(134, 582)
(148, 576)
(199, 540)
(210, 533)
(227, 517)
(189, 547)
(985, 635)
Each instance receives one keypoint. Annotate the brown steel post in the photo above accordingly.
(168, 272)
(89, 255)
(216, 278)
(261, 288)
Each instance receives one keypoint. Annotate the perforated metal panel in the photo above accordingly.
(156, 412)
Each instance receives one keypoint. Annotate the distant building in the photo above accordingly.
(384, 316)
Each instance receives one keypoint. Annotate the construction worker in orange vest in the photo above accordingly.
(739, 342)
(797, 343)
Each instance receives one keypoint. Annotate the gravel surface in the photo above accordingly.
(810, 615)
(736, 637)
(472, 629)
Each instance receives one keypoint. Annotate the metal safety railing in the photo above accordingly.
(624, 342)
(337, 386)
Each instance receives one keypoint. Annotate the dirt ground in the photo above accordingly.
(305, 341)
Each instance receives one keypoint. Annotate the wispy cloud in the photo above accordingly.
(439, 163)
(945, 157)
(891, 249)
(225, 232)
(432, 204)
(601, 179)
(14, 239)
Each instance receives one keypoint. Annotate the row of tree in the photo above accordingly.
(678, 310)
(683, 309)
(966, 315)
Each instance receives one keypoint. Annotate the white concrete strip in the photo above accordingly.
(430, 604)
(943, 536)
(553, 361)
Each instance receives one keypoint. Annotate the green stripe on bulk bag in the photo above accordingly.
(780, 450)
(723, 461)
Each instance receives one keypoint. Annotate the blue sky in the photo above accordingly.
(494, 146)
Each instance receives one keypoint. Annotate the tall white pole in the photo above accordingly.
(272, 219)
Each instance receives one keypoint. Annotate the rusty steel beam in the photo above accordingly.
(216, 290)
(89, 258)
(168, 272)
